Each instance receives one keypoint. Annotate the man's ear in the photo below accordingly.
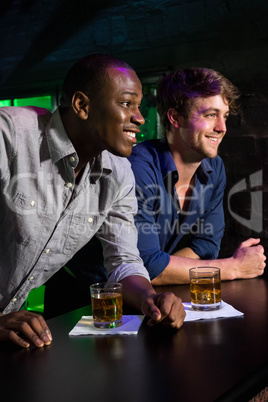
(174, 118)
(80, 105)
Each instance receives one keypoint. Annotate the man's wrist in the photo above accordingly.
(228, 269)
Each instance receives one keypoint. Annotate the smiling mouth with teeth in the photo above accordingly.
(130, 134)
(213, 139)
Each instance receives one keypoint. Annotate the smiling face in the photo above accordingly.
(201, 133)
(114, 116)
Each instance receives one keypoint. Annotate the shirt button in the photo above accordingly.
(14, 300)
(31, 278)
(72, 159)
(47, 251)
(69, 185)
(32, 203)
(90, 220)
(178, 212)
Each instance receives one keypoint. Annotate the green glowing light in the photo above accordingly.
(5, 103)
(39, 101)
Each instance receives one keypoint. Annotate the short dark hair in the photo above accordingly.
(88, 75)
(177, 90)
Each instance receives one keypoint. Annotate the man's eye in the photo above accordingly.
(211, 115)
(126, 103)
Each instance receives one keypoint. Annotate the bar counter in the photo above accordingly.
(207, 360)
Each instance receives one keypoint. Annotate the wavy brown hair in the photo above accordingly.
(178, 89)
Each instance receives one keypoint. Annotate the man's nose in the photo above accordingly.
(220, 125)
(138, 118)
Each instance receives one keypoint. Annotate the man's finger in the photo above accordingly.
(249, 242)
(15, 338)
(150, 309)
(37, 331)
(28, 325)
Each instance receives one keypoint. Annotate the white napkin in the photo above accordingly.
(132, 323)
(130, 326)
(226, 310)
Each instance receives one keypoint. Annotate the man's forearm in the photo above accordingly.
(247, 262)
(177, 271)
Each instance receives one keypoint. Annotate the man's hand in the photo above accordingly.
(24, 328)
(249, 259)
(164, 308)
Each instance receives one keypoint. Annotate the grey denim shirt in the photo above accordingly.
(45, 218)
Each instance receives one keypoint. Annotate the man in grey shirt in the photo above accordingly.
(63, 179)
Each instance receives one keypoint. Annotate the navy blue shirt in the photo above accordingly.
(162, 227)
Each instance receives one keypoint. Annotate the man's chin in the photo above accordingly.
(210, 155)
(123, 153)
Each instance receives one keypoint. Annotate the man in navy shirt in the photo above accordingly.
(180, 182)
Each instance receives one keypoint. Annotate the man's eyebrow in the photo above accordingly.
(212, 109)
(129, 93)
(132, 93)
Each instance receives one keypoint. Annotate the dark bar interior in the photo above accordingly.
(40, 41)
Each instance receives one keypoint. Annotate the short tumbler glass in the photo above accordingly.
(205, 288)
(107, 304)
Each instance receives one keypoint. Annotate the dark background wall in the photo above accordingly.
(40, 40)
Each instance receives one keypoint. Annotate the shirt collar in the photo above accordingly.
(204, 170)
(168, 166)
(60, 146)
(101, 166)
(59, 143)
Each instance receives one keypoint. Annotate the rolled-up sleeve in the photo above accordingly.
(118, 234)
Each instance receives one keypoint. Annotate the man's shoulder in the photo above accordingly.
(24, 116)
(27, 111)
